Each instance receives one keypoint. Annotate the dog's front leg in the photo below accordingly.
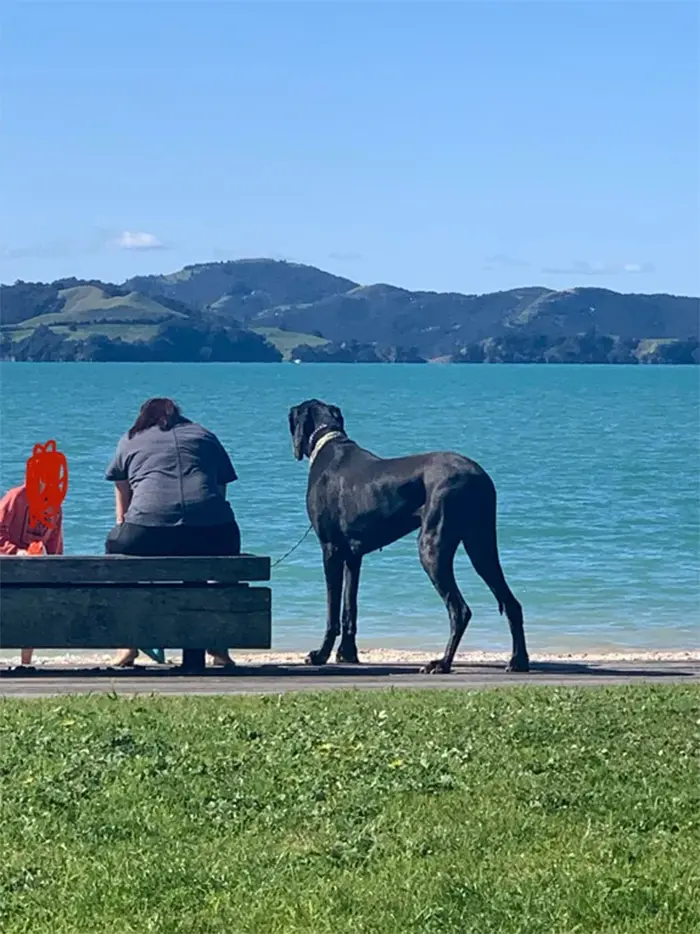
(347, 650)
(333, 569)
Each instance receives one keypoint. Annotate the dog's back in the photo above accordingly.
(373, 501)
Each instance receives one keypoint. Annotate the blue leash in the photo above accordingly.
(158, 655)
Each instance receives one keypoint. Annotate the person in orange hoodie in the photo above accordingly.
(19, 536)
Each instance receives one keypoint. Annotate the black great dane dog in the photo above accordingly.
(358, 502)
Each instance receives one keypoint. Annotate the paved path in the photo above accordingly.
(277, 679)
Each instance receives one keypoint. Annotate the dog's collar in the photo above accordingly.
(322, 442)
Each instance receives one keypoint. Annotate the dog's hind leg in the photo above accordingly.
(437, 550)
(347, 650)
(483, 553)
(333, 569)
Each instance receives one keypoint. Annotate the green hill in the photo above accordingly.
(437, 323)
(75, 302)
(292, 305)
(243, 287)
(305, 300)
(91, 305)
(88, 310)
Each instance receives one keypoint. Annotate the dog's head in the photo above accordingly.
(307, 418)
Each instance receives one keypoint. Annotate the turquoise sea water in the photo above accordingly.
(596, 470)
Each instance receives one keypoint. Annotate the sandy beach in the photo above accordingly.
(374, 656)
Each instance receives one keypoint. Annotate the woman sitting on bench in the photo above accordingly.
(170, 476)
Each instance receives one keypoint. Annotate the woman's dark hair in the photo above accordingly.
(163, 413)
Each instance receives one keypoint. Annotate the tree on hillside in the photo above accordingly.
(183, 342)
(25, 300)
(43, 346)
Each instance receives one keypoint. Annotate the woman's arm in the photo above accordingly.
(122, 499)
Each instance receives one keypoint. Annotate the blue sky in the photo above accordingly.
(460, 146)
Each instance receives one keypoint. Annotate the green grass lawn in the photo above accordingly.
(538, 811)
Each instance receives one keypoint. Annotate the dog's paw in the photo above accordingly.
(518, 664)
(436, 667)
(315, 658)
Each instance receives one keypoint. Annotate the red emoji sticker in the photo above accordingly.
(47, 484)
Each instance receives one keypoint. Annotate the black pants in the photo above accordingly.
(181, 541)
(145, 541)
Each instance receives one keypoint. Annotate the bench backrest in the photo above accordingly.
(112, 601)
(66, 570)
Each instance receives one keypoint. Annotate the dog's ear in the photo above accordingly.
(337, 416)
(298, 428)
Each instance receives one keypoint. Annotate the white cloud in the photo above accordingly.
(137, 240)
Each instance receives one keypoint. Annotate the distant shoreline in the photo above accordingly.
(436, 362)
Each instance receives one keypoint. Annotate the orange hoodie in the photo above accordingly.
(15, 531)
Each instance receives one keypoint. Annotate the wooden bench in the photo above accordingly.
(113, 602)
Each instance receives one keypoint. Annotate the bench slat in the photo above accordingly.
(114, 617)
(70, 569)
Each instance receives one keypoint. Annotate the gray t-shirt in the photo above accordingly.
(174, 476)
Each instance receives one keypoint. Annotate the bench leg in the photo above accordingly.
(193, 660)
